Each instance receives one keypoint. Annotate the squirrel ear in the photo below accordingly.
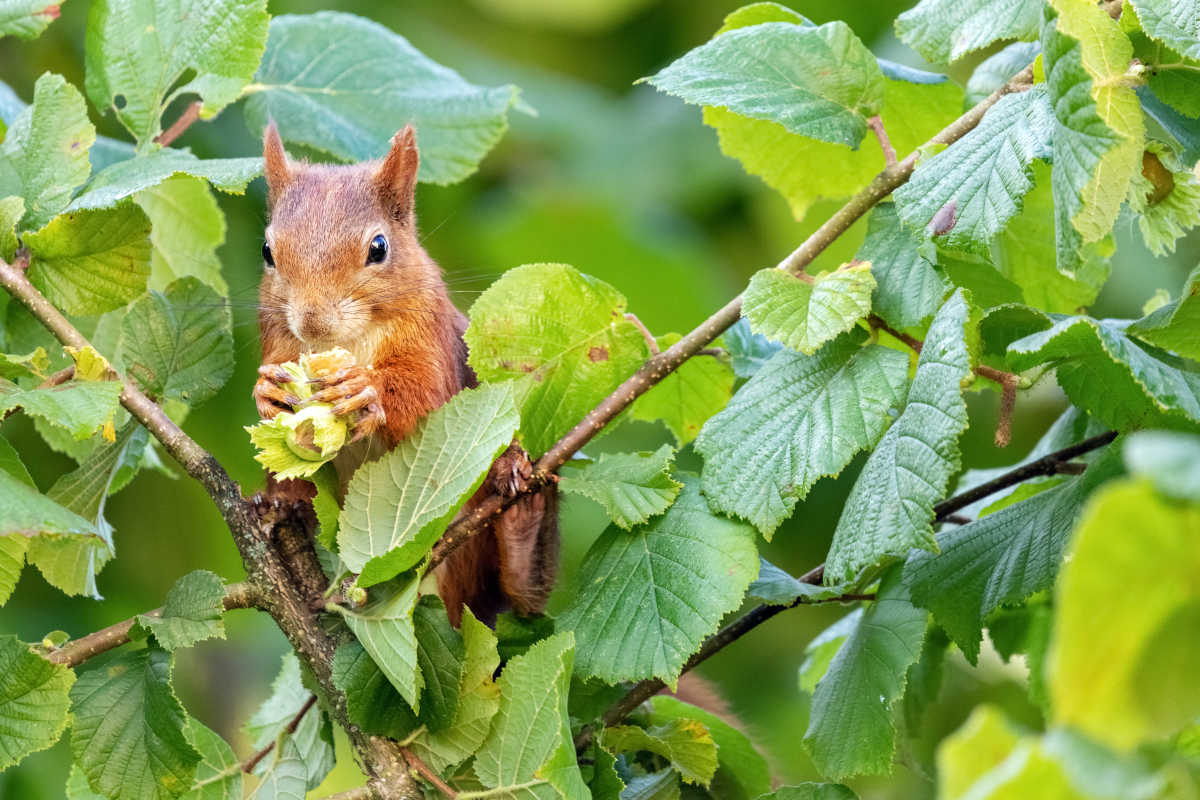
(276, 167)
(397, 175)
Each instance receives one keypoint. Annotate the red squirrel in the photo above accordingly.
(343, 267)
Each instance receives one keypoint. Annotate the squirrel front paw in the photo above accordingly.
(270, 396)
(351, 392)
(511, 472)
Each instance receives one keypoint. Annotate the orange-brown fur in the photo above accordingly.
(398, 320)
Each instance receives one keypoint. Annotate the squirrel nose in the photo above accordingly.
(311, 325)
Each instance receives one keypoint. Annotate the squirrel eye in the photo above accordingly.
(377, 251)
(266, 254)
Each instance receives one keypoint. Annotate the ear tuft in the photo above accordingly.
(276, 166)
(396, 177)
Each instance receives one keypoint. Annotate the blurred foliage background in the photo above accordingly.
(617, 180)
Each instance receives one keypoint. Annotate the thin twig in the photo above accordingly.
(875, 123)
(189, 115)
(1050, 464)
(428, 774)
(660, 366)
(250, 763)
(74, 653)
(1008, 403)
(651, 342)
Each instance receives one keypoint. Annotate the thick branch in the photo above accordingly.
(74, 653)
(1050, 464)
(669, 360)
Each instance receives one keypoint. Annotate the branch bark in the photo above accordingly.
(1050, 464)
(77, 651)
(189, 115)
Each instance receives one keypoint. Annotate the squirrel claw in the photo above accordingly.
(371, 420)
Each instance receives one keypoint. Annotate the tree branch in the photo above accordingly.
(189, 115)
(428, 774)
(875, 123)
(77, 651)
(250, 763)
(669, 360)
(1050, 464)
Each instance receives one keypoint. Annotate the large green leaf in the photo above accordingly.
(748, 351)
(797, 420)
(440, 654)
(192, 613)
(313, 737)
(89, 262)
(685, 743)
(45, 152)
(372, 703)
(25, 512)
(34, 701)
(908, 289)
(686, 398)
(999, 559)
(741, 772)
(397, 507)
(219, 774)
(820, 82)
(1115, 378)
(27, 19)
(632, 487)
(126, 178)
(648, 598)
(178, 344)
(12, 558)
(314, 69)
(945, 30)
(1098, 132)
(79, 407)
(128, 732)
(890, 508)
(529, 752)
(188, 229)
(1122, 672)
(998, 69)
(139, 50)
(1176, 23)
(850, 729)
(984, 175)
(384, 627)
(284, 778)
(1176, 326)
(564, 335)
(804, 314)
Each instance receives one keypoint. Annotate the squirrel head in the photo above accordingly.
(341, 250)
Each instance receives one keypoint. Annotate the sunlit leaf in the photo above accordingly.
(34, 701)
(632, 487)
(945, 30)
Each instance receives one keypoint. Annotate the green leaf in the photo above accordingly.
(478, 701)
(564, 334)
(26, 19)
(529, 752)
(916, 105)
(686, 743)
(648, 598)
(688, 396)
(924, 680)
(811, 791)
(114, 183)
(1175, 326)
(1098, 132)
(79, 407)
(440, 654)
(191, 614)
(1120, 672)
(217, 47)
(979, 745)
(89, 262)
(11, 211)
(984, 175)
(372, 703)
(775, 587)
(314, 68)
(783, 72)
(1170, 460)
(326, 507)
(397, 507)
(188, 229)
(997, 70)
(945, 30)
(660, 785)
(24, 513)
(632, 487)
(10, 462)
(45, 152)
(384, 627)
(1173, 22)
(741, 772)
(77, 786)
(819, 652)
(804, 314)
(12, 559)
(284, 778)
(1113, 377)
(799, 419)
(908, 288)
(128, 733)
(34, 701)
(1000, 559)
(850, 730)
(604, 783)
(178, 344)
(748, 351)
(890, 508)
(218, 776)
(1164, 220)
(313, 737)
